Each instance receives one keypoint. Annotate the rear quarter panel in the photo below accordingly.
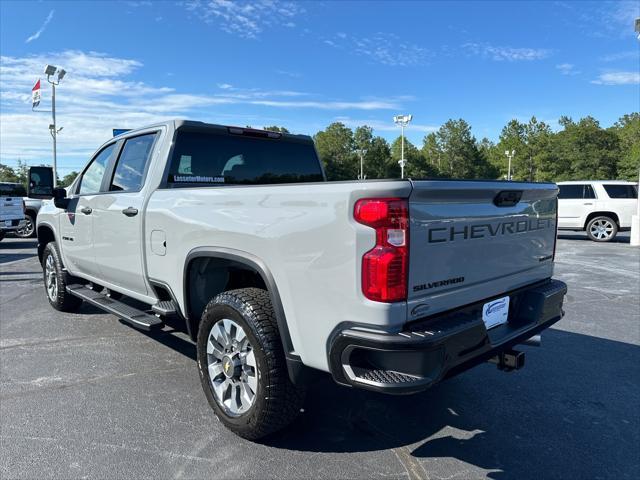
(305, 235)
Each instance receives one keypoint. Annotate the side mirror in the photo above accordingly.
(60, 199)
(40, 182)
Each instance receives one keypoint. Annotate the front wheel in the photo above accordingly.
(602, 229)
(242, 364)
(55, 281)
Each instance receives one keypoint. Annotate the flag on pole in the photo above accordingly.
(35, 94)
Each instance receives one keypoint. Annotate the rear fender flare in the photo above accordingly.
(254, 263)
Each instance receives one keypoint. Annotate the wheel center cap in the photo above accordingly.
(229, 366)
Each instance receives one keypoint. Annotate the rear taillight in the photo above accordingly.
(385, 267)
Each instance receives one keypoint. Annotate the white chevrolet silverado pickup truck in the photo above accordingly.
(277, 274)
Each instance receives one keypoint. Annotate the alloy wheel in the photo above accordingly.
(232, 367)
(27, 230)
(601, 229)
(51, 278)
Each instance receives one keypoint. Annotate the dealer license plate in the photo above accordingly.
(496, 312)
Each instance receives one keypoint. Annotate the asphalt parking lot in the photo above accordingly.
(83, 395)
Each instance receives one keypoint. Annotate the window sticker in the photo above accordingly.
(197, 179)
(185, 165)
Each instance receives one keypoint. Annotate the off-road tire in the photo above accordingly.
(277, 401)
(63, 300)
(610, 229)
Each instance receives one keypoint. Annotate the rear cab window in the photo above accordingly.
(621, 191)
(12, 190)
(218, 158)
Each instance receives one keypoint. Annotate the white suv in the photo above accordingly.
(601, 208)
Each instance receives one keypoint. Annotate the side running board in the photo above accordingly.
(134, 317)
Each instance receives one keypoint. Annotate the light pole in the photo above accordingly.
(49, 71)
(362, 152)
(403, 121)
(635, 219)
(510, 155)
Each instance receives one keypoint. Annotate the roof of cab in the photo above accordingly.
(194, 124)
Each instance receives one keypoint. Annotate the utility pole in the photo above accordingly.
(49, 71)
(403, 121)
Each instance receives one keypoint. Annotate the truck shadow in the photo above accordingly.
(621, 238)
(571, 413)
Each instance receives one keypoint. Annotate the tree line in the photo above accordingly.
(581, 150)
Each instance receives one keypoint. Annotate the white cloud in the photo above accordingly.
(567, 69)
(389, 126)
(36, 35)
(98, 94)
(614, 57)
(245, 18)
(287, 73)
(509, 54)
(385, 48)
(618, 78)
(624, 14)
(362, 105)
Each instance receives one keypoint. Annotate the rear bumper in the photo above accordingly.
(438, 347)
(15, 225)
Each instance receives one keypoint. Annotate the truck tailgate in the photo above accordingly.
(473, 240)
(11, 208)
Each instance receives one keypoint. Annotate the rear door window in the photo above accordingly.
(132, 164)
(573, 191)
(621, 191)
(220, 159)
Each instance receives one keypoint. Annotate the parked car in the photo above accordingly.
(12, 207)
(27, 229)
(277, 274)
(601, 208)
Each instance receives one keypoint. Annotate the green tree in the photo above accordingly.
(336, 147)
(627, 128)
(8, 174)
(431, 151)
(275, 128)
(67, 179)
(461, 157)
(584, 150)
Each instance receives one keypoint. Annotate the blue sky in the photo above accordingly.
(305, 64)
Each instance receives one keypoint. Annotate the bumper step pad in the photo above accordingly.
(134, 317)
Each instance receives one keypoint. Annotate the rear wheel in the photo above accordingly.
(242, 364)
(602, 229)
(56, 279)
(28, 230)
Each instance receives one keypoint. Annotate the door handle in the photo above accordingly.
(130, 211)
(587, 203)
(86, 210)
